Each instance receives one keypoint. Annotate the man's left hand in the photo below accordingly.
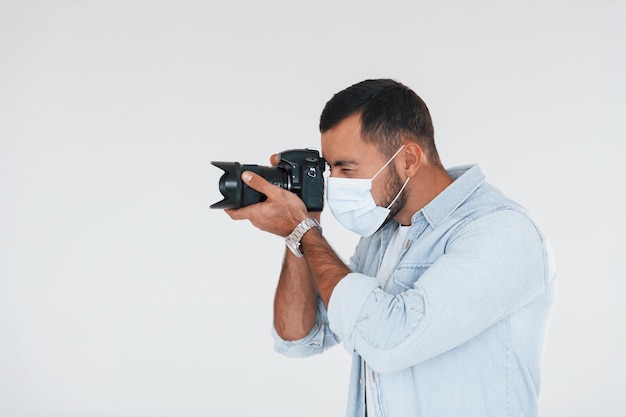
(279, 214)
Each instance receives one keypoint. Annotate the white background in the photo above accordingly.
(122, 294)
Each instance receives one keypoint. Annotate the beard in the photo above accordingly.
(392, 187)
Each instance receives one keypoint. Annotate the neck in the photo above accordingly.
(425, 185)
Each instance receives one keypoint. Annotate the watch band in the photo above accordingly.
(293, 240)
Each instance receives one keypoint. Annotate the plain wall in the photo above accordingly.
(123, 294)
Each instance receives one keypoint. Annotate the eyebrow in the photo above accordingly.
(342, 163)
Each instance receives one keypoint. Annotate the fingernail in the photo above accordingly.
(246, 176)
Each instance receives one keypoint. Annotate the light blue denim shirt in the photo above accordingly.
(460, 326)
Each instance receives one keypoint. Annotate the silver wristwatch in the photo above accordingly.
(294, 238)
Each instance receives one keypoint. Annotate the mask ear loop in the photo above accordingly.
(399, 193)
(387, 163)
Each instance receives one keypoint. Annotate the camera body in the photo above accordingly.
(299, 171)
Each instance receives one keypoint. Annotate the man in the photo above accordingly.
(446, 301)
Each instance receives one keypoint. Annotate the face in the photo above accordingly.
(350, 157)
(347, 154)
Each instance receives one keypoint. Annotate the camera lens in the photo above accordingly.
(236, 193)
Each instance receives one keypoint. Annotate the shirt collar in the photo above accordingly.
(467, 179)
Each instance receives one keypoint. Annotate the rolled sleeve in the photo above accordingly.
(352, 291)
(317, 341)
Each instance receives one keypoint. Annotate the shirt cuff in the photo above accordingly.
(319, 338)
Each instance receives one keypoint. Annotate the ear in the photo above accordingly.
(413, 158)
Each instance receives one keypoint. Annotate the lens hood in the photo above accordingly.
(230, 185)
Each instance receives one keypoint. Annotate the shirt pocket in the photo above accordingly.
(406, 275)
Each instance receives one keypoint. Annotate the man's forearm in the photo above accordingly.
(326, 267)
(295, 302)
(302, 281)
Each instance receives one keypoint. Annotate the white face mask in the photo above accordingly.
(351, 202)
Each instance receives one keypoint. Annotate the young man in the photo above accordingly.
(446, 301)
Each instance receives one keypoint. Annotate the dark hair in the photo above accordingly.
(390, 111)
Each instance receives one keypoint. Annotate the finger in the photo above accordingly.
(274, 159)
(258, 183)
(238, 214)
(231, 213)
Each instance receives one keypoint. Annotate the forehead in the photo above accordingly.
(343, 143)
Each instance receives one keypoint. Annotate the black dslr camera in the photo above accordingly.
(299, 171)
